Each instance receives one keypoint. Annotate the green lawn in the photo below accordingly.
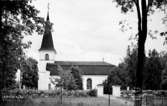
(70, 101)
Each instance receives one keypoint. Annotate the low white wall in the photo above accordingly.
(116, 91)
(96, 79)
(43, 81)
(18, 75)
(100, 90)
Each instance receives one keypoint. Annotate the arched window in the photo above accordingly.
(89, 83)
(46, 56)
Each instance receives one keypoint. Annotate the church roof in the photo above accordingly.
(86, 67)
(81, 63)
(47, 41)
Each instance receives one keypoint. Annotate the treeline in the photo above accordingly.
(154, 74)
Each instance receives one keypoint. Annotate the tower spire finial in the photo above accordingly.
(48, 7)
(48, 13)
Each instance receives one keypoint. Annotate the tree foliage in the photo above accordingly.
(112, 79)
(76, 72)
(17, 18)
(164, 76)
(70, 79)
(124, 73)
(143, 9)
(131, 66)
(152, 72)
(30, 73)
(66, 79)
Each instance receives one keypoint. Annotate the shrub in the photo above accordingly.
(80, 93)
(92, 93)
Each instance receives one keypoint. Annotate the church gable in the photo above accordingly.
(87, 68)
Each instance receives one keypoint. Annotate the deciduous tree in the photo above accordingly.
(17, 18)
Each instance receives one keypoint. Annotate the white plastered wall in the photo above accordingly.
(44, 75)
(100, 90)
(51, 55)
(96, 79)
(116, 90)
(43, 81)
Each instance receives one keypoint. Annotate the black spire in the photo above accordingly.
(47, 19)
(47, 41)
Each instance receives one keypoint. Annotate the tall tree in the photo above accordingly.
(17, 18)
(143, 9)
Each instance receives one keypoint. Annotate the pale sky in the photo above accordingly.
(89, 30)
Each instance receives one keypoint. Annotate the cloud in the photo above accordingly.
(88, 30)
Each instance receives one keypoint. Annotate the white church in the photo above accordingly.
(93, 72)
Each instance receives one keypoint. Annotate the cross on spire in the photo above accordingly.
(103, 59)
(48, 7)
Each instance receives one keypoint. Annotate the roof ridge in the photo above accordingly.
(82, 63)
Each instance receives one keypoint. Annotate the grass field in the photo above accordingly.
(70, 101)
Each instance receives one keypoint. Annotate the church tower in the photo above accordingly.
(47, 50)
(47, 54)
